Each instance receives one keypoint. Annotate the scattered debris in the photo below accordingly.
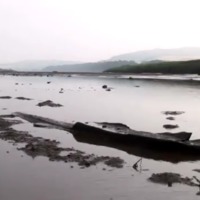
(49, 103)
(170, 126)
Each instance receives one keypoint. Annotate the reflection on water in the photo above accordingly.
(84, 100)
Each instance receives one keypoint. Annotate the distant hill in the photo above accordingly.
(88, 67)
(6, 70)
(173, 67)
(188, 53)
(33, 65)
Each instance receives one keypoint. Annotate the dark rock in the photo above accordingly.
(170, 126)
(48, 82)
(49, 103)
(173, 112)
(5, 97)
(23, 98)
(170, 118)
(104, 86)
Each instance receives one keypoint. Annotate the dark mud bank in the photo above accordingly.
(38, 146)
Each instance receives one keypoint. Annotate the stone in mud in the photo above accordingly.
(5, 97)
(49, 103)
(23, 98)
(170, 118)
(170, 126)
(173, 112)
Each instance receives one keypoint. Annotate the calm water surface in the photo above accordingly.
(22, 177)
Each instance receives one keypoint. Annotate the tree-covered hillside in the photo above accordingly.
(176, 67)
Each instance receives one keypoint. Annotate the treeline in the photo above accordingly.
(175, 67)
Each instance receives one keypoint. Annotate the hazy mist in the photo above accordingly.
(93, 30)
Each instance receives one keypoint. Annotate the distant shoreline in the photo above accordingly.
(128, 75)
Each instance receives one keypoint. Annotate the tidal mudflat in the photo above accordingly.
(69, 167)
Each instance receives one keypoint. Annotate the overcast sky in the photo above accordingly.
(91, 30)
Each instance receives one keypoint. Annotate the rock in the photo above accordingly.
(104, 86)
(49, 103)
(170, 126)
(5, 97)
(170, 118)
(23, 98)
(48, 82)
(173, 112)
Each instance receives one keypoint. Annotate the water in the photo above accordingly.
(84, 100)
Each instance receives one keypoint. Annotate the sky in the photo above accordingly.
(93, 30)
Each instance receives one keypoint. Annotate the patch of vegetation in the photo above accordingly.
(175, 67)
